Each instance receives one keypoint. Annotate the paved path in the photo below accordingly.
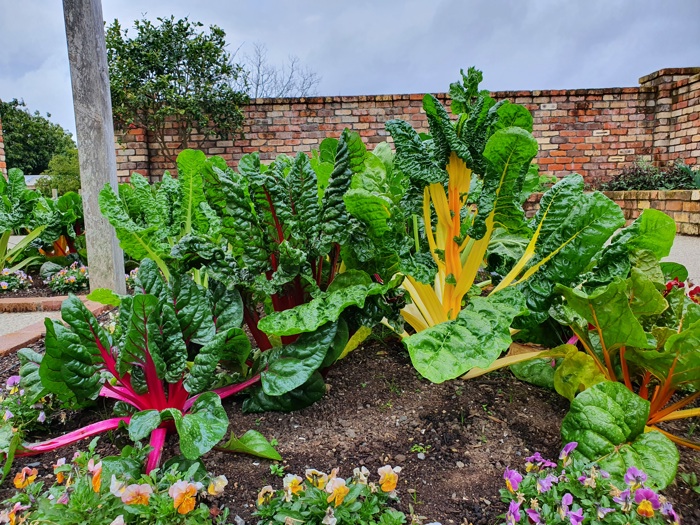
(16, 321)
(686, 250)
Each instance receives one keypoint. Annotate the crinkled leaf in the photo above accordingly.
(143, 338)
(539, 372)
(202, 427)
(575, 373)
(645, 299)
(476, 338)
(190, 164)
(607, 421)
(192, 309)
(306, 395)
(371, 209)
(226, 306)
(292, 365)
(143, 423)
(85, 325)
(232, 344)
(30, 379)
(252, 443)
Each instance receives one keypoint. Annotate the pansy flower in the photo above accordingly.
(388, 478)
(8, 415)
(635, 478)
(536, 463)
(42, 417)
(361, 475)
(602, 511)
(533, 516)
(63, 500)
(137, 494)
(329, 518)
(116, 487)
(13, 384)
(11, 516)
(513, 479)
(60, 477)
(545, 484)
(119, 520)
(566, 452)
(647, 502)
(265, 495)
(292, 485)
(513, 514)
(575, 517)
(4, 285)
(624, 499)
(316, 478)
(25, 478)
(184, 496)
(338, 490)
(96, 471)
(566, 500)
(667, 510)
(217, 485)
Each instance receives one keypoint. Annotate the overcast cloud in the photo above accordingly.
(386, 46)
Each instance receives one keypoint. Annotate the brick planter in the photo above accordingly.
(682, 205)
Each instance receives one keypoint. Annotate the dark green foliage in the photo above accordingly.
(63, 174)
(643, 176)
(31, 140)
(174, 71)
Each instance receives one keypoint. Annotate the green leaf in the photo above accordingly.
(202, 427)
(575, 373)
(226, 306)
(608, 309)
(373, 210)
(143, 423)
(646, 300)
(30, 379)
(538, 372)
(252, 443)
(232, 345)
(324, 309)
(193, 310)
(143, 336)
(607, 421)
(84, 324)
(190, 164)
(105, 296)
(674, 270)
(476, 338)
(67, 369)
(292, 365)
(302, 397)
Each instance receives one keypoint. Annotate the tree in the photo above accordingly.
(174, 72)
(266, 80)
(31, 140)
(63, 174)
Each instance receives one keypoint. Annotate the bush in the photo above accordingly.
(63, 174)
(644, 176)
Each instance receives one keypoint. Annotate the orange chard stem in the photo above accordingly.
(655, 417)
(644, 388)
(625, 369)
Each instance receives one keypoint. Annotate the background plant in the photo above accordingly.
(73, 279)
(174, 70)
(62, 174)
(645, 176)
(12, 281)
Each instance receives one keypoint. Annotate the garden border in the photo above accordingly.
(10, 343)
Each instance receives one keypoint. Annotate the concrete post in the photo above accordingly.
(87, 55)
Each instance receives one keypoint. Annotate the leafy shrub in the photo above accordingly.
(111, 490)
(644, 176)
(572, 491)
(73, 279)
(12, 281)
(331, 500)
(63, 174)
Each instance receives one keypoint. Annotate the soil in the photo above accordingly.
(453, 441)
(37, 289)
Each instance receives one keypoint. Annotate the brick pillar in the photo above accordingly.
(661, 86)
(3, 163)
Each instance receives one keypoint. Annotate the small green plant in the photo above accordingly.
(645, 176)
(12, 281)
(131, 278)
(329, 499)
(277, 470)
(691, 479)
(18, 410)
(74, 279)
(577, 491)
(419, 448)
(112, 491)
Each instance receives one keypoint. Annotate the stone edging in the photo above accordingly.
(13, 305)
(10, 343)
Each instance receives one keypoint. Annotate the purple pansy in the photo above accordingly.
(648, 502)
(8, 415)
(602, 511)
(575, 517)
(513, 514)
(567, 500)
(544, 485)
(624, 500)
(534, 516)
(13, 381)
(667, 510)
(566, 451)
(536, 462)
(635, 477)
(513, 479)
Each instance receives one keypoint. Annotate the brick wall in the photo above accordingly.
(3, 164)
(595, 132)
(682, 205)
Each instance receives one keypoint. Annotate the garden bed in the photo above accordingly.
(452, 440)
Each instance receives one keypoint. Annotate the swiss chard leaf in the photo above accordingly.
(231, 345)
(252, 443)
(202, 427)
(301, 397)
(30, 379)
(607, 421)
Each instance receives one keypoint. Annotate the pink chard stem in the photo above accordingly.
(157, 442)
(72, 437)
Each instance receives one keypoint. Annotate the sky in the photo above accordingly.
(364, 47)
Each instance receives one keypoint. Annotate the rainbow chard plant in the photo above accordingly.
(160, 364)
(486, 151)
